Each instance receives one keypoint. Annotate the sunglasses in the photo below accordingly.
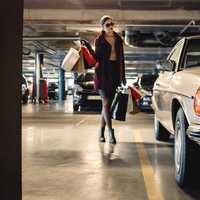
(109, 24)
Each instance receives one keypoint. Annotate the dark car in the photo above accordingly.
(25, 90)
(84, 94)
(145, 85)
(52, 91)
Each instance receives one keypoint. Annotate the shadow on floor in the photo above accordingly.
(122, 156)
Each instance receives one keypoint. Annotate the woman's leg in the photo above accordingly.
(106, 118)
(102, 129)
(103, 122)
(111, 131)
(106, 112)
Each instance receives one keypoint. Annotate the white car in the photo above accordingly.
(176, 102)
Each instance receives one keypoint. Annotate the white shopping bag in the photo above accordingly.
(70, 59)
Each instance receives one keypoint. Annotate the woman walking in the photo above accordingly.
(109, 71)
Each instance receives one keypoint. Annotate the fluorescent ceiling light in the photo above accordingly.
(29, 61)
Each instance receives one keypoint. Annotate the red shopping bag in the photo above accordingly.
(88, 56)
(136, 94)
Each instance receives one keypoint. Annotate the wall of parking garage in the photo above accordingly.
(11, 18)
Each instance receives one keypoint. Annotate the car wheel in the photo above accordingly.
(75, 107)
(160, 132)
(185, 151)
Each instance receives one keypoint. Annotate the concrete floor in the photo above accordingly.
(62, 159)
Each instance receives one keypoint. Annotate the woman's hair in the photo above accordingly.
(104, 19)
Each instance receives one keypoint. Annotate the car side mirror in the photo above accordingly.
(169, 65)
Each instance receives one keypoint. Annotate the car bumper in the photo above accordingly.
(87, 100)
(193, 133)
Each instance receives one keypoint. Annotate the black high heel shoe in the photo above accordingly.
(112, 137)
(101, 135)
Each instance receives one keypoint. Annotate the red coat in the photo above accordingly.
(102, 53)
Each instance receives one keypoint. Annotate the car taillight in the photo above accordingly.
(197, 102)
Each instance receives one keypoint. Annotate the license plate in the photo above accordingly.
(94, 97)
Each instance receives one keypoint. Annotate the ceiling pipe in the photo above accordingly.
(26, 38)
(45, 48)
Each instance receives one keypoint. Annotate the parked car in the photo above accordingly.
(25, 90)
(84, 94)
(145, 86)
(52, 91)
(176, 102)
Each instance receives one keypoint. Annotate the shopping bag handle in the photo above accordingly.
(122, 89)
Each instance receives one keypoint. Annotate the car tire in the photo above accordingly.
(75, 108)
(185, 152)
(161, 133)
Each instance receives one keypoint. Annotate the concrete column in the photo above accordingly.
(11, 20)
(61, 85)
(38, 72)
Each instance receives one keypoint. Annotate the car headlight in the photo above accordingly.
(197, 102)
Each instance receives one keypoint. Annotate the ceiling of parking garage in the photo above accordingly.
(52, 26)
(74, 17)
(113, 4)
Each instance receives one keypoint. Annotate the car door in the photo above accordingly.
(163, 91)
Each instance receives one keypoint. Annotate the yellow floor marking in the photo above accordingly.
(152, 186)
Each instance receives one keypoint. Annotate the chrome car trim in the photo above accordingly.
(193, 133)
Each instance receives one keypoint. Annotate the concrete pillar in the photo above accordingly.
(61, 85)
(38, 72)
(11, 20)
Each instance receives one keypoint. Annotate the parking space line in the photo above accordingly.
(151, 184)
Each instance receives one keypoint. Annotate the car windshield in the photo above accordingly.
(85, 78)
(192, 56)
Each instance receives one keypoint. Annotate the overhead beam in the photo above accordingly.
(83, 15)
(40, 38)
